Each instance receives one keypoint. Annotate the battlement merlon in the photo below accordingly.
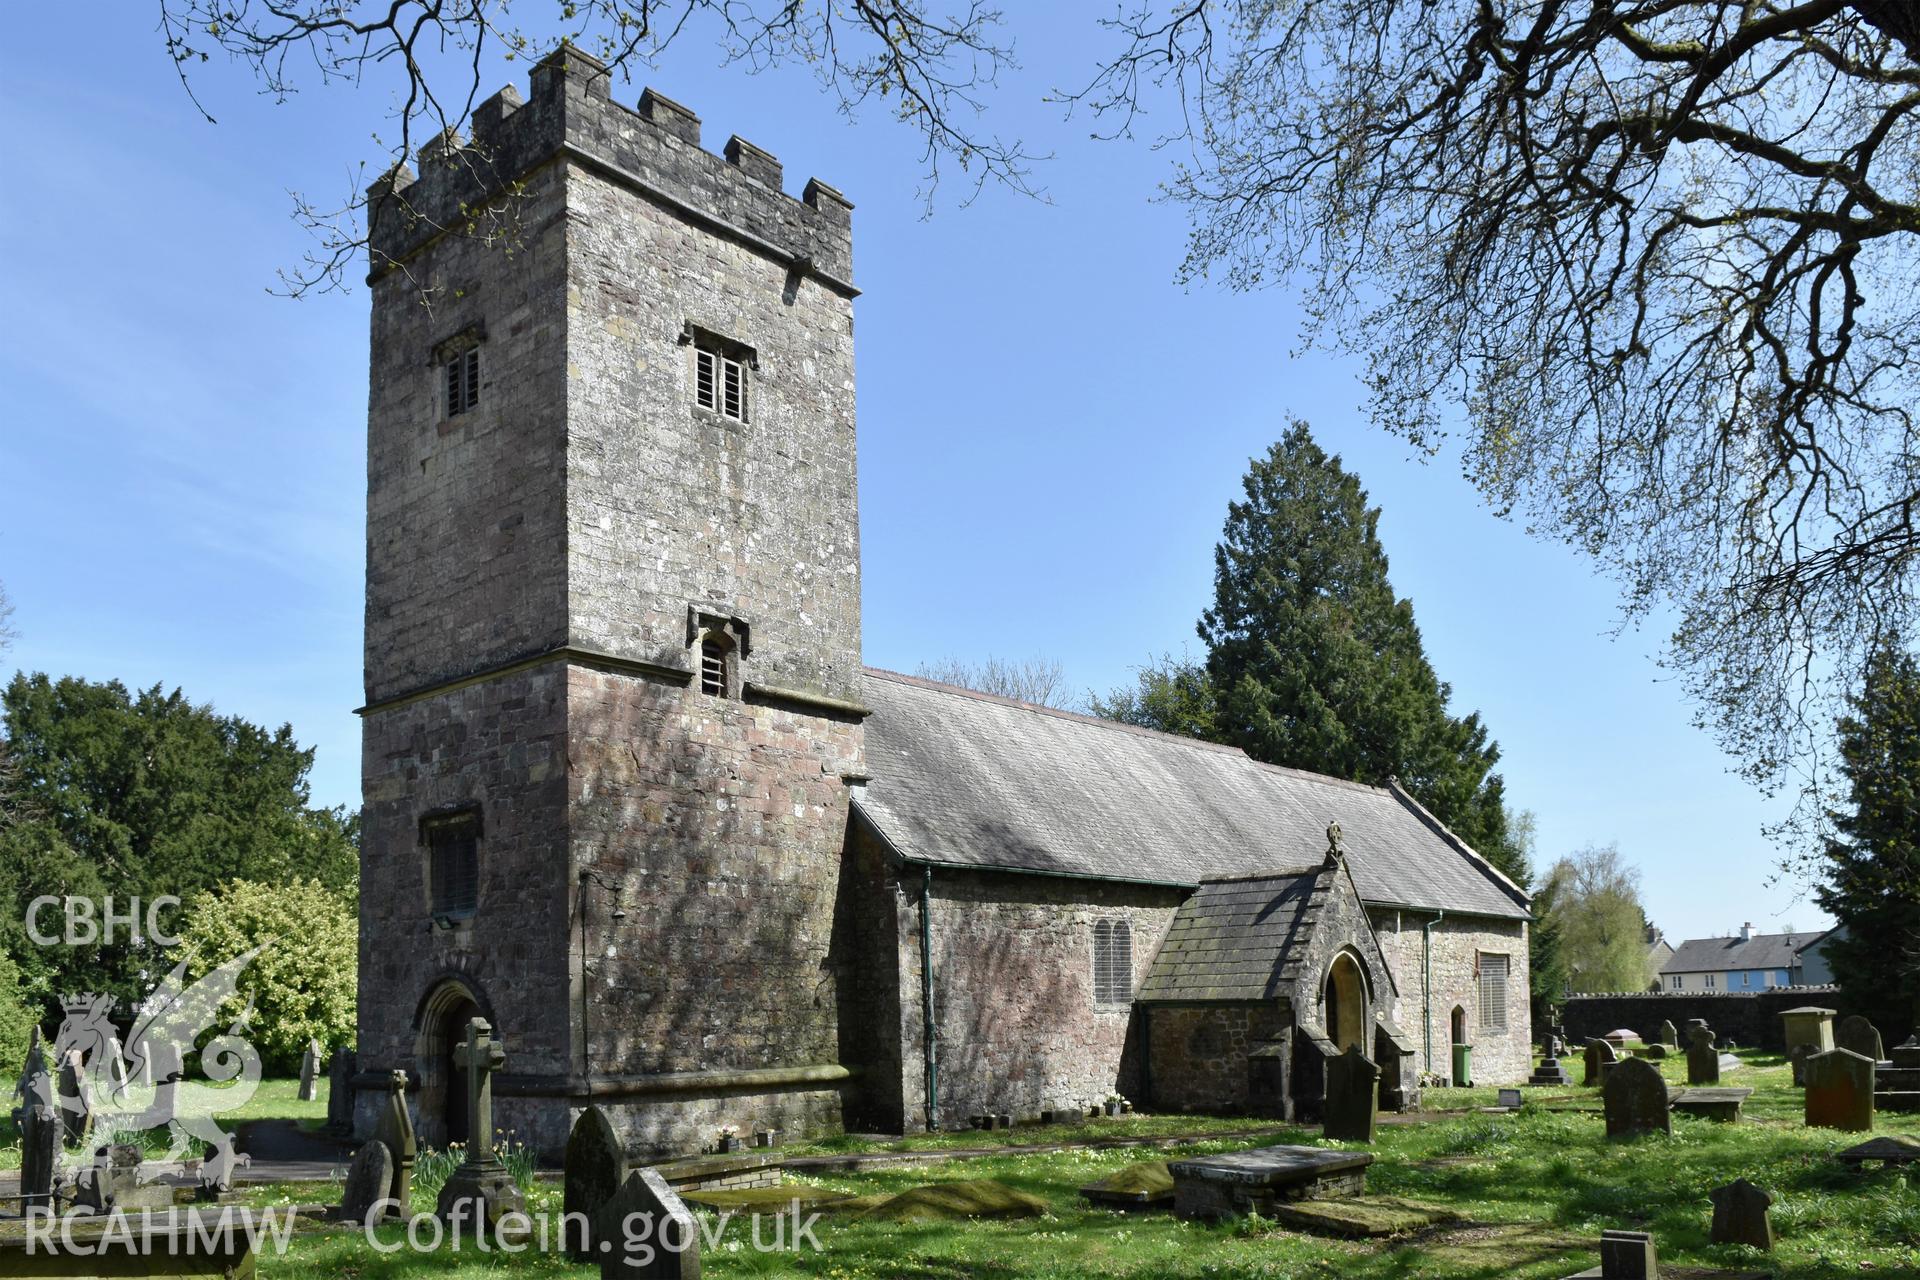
(653, 149)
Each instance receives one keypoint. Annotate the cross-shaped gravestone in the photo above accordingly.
(481, 1190)
(479, 1057)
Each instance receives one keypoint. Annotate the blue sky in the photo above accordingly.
(1050, 431)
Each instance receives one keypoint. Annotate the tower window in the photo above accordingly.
(1112, 962)
(716, 660)
(453, 864)
(720, 383)
(463, 381)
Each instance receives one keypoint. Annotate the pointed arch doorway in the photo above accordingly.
(1345, 1002)
(442, 1027)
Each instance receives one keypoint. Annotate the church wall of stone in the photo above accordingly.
(720, 823)
(466, 527)
(1018, 1028)
(1198, 1053)
(672, 505)
(1498, 1057)
(497, 748)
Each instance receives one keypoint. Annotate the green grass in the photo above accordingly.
(1535, 1189)
(275, 1099)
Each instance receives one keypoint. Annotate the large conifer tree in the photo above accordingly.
(1315, 663)
(1872, 880)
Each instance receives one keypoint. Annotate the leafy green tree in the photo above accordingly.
(1871, 880)
(1597, 928)
(17, 1014)
(140, 796)
(1315, 663)
(1173, 695)
(302, 983)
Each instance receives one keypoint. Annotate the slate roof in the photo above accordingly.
(1762, 951)
(969, 780)
(1236, 939)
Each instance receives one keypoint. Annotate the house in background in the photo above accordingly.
(1659, 951)
(1815, 969)
(1749, 962)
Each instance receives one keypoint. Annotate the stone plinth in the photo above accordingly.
(1722, 1103)
(1808, 1025)
(1254, 1181)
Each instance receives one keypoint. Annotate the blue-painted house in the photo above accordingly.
(1747, 962)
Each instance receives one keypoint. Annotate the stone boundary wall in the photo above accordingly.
(1749, 1018)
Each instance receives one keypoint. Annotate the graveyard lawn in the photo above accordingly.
(1534, 1190)
(275, 1099)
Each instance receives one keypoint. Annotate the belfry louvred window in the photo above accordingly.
(1493, 991)
(453, 864)
(720, 384)
(715, 654)
(463, 381)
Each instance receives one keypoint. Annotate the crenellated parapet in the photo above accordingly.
(653, 148)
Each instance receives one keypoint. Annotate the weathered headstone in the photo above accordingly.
(1906, 1055)
(1703, 1060)
(1635, 1098)
(1840, 1090)
(482, 1190)
(369, 1179)
(40, 1130)
(1740, 1215)
(1597, 1053)
(1856, 1033)
(1352, 1080)
(340, 1093)
(1667, 1035)
(76, 1102)
(1628, 1255)
(1797, 1061)
(394, 1129)
(651, 1234)
(1510, 1099)
(596, 1170)
(310, 1072)
(1655, 1052)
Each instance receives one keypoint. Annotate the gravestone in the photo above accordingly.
(1808, 1025)
(1840, 1091)
(1667, 1035)
(76, 1103)
(1703, 1060)
(1244, 1182)
(596, 1169)
(1510, 1099)
(1907, 1056)
(369, 1178)
(40, 1131)
(1628, 1255)
(1599, 1055)
(340, 1093)
(1861, 1036)
(394, 1130)
(1635, 1098)
(1550, 1071)
(650, 1233)
(310, 1072)
(481, 1190)
(1740, 1215)
(1797, 1060)
(1348, 1115)
(1654, 1052)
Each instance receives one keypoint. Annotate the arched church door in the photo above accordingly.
(1346, 1004)
(443, 1087)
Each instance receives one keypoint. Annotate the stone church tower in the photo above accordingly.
(613, 674)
